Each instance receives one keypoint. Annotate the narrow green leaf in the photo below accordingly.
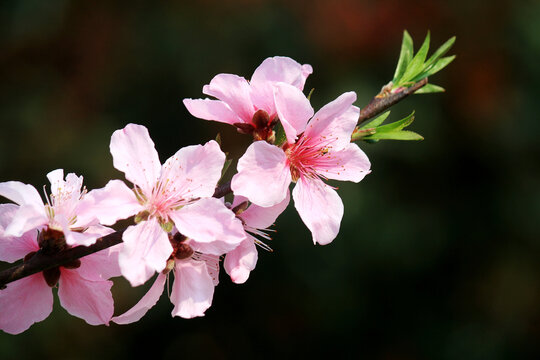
(395, 135)
(396, 125)
(280, 134)
(416, 65)
(429, 88)
(376, 121)
(225, 167)
(218, 139)
(310, 93)
(443, 49)
(405, 56)
(439, 65)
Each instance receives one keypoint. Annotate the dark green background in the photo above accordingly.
(438, 254)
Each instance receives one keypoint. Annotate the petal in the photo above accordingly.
(193, 171)
(109, 204)
(134, 154)
(146, 303)
(263, 175)
(281, 69)
(146, 250)
(88, 237)
(22, 194)
(101, 265)
(262, 217)
(241, 261)
(320, 208)
(26, 219)
(234, 91)
(208, 109)
(351, 164)
(335, 122)
(24, 302)
(14, 248)
(86, 299)
(192, 290)
(293, 109)
(213, 228)
(65, 195)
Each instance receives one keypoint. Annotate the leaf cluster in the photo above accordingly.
(413, 68)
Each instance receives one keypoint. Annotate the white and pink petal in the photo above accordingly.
(146, 303)
(209, 109)
(89, 300)
(241, 261)
(25, 302)
(134, 154)
(320, 208)
(193, 289)
(263, 175)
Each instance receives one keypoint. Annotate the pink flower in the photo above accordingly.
(242, 260)
(195, 276)
(275, 90)
(63, 211)
(83, 288)
(323, 151)
(177, 193)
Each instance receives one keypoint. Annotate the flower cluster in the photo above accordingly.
(178, 226)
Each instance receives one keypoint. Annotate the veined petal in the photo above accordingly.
(135, 155)
(234, 91)
(263, 175)
(193, 171)
(215, 110)
(86, 299)
(65, 194)
(27, 218)
(241, 261)
(22, 194)
(146, 250)
(259, 217)
(109, 204)
(24, 302)
(320, 208)
(334, 122)
(146, 303)
(281, 69)
(193, 289)
(351, 164)
(88, 237)
(101, 265)
(14, 248)
(213, 228)
(293, 109)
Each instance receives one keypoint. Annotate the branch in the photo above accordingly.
(42, 261)
(384, 100)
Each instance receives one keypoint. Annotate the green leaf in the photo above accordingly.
(376, 121)
(416, 65)
(225, 167)
(443, 49)
(310, 93)
(280, 134)
(429, 88)
(218, 139)
(396, 126)
(405, 56)
(439, 65)
(397, 135)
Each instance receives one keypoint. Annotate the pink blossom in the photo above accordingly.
(256, 219)
(275, 90)
(175, 193)
(323, 151)
(83, 288)
(195, 276)
(62, 212)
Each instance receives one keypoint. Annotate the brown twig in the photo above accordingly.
(42, 261)
(383, 101)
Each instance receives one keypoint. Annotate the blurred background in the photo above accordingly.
(438, 254)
